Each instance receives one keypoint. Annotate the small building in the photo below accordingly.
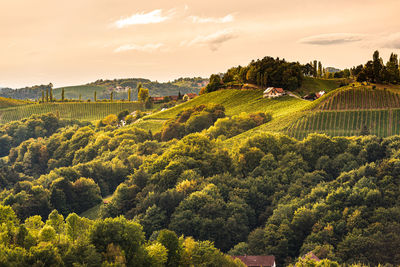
(272, 92)
(319, 94)
(189, 96)
(311, 256)
(257, 261)
(157, 99)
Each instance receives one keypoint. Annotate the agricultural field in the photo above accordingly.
(74, 110)
(9, 102)
(359, 97)
(378, 122)
(350, 111)
(234, 101)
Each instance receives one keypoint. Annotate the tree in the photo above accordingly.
(42, 96)
(62, 94)
(377, 67)
(74, 226)
(123, 234)
(47, 95)
(320, 70)
(51, 94)
(170, 241)
(129, 94)
(143, 94)
(111, 96)
(95, 96)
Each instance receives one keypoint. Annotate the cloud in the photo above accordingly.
(141, 48)
(226, 19)
(214, 41)
(391, 41)
(154, 16)
(333, 38)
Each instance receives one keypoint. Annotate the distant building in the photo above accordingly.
(272, 92)
(257, 261)
(118, 89)
(319, 94)
(189, 96)
(157, 99)
(312, 256)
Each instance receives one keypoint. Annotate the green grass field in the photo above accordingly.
(9, 102)
(312, 85)
(74, 110)
(234, 101)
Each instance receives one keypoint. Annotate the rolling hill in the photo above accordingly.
(235, 102)
(71, 110)
(350, 110)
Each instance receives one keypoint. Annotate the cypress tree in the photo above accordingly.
(62, 95)
(42, 96)
(47, 95)
(51, 94)
(95, 96)
(129, 94)
(111, 96)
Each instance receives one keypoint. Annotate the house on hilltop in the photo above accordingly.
(257, 261)
(272, 92)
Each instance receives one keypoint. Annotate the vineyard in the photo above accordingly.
(74, 110)
(360, 97)
(347, 123)
(351, 111)
(9, 102)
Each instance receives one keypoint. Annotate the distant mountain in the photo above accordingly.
(103, 88)
(332, 69)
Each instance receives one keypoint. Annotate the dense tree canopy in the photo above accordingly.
(268, 194)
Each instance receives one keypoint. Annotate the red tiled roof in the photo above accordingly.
(191, 95)
(157, 98)
(311, 256)
(280, 90)
(256, 260)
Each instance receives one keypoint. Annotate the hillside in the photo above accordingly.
(71, 110)
(349, 111)
(312, 85)
(235, 102)
(9, 102)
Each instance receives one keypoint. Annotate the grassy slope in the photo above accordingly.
(234, 101)
(312, 85)
(73, 92)
(9, 102)
(72, 110)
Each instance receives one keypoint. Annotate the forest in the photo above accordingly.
(191, 199)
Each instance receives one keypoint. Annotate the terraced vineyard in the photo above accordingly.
(349, 111)
(74, 110)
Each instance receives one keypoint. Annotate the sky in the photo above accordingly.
(79, 41)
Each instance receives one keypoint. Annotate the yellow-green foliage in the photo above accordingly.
(70, 110)
(9, 102)
(235, 102)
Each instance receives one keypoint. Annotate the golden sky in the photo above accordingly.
(69, 42)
